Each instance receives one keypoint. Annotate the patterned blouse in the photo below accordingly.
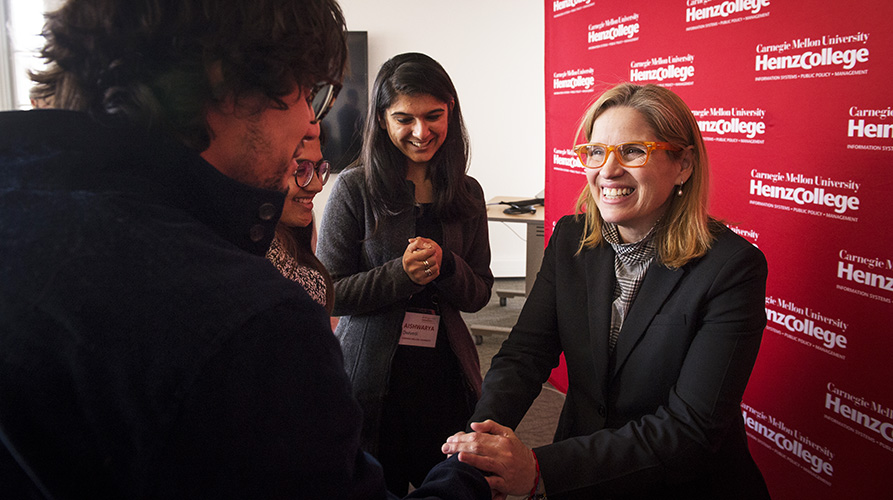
(310, 279)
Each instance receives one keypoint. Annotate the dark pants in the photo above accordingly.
(426, 403)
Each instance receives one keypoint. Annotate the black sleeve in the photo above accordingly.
(526, 358)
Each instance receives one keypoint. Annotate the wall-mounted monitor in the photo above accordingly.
(343, 126)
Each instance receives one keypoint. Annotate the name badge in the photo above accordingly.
(419, 329)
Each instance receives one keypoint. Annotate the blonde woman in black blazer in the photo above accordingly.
(653, 407)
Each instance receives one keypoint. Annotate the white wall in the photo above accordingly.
(7, 99)
(21, 41)
(493, 51)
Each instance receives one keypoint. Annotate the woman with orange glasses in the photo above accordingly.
(659, 310)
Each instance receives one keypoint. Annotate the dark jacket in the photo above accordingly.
(147, 347)
(664, 419)
(372, 289)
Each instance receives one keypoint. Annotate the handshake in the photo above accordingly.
(511, 467)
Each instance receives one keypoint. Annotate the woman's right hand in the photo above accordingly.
(496, 449)
(421, 260)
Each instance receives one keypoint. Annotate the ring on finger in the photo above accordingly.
(426, 264)
(427, 272)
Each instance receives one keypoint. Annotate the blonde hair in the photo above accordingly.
(685, 231)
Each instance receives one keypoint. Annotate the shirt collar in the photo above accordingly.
(242, 214)
(630, 253)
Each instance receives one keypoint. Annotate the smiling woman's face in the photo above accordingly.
(633, 198)
(417, 126)
(298, 208)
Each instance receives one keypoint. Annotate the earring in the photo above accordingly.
(679, 191)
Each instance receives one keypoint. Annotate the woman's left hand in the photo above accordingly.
(496, 449)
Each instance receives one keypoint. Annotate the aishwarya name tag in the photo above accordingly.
(419, 329)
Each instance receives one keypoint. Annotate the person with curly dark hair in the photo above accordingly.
(149, 350)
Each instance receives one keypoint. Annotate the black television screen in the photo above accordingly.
(342, 128)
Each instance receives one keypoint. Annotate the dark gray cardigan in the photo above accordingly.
(372, 289)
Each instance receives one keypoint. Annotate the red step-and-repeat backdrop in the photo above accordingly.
(795, 101)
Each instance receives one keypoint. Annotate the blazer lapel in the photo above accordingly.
(659, 282)
(599, 267)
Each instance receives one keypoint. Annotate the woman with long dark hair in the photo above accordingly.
(404, 235)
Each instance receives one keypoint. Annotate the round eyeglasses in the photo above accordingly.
(628, 154)
(321, 99)
(304, 173)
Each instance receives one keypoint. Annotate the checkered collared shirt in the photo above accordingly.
(631, 260)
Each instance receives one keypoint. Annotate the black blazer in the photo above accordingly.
(663, 418)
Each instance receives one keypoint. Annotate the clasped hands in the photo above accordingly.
(421, 260)
(496, 449)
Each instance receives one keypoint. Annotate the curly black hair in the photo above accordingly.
(148, 63)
